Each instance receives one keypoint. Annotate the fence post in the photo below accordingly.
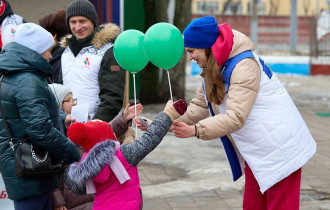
(293, 26)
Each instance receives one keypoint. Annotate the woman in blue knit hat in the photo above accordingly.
(262, 132)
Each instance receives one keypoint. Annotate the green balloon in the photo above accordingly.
(129, 52)
(163, 44)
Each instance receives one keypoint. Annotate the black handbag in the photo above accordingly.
(31, 160)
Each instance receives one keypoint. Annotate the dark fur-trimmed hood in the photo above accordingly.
(77, 174)
(103, 34)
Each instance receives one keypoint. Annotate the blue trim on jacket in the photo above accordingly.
(229, 149)
(231, 63)
(226, 73)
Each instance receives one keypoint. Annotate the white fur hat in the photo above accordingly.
(34, 37)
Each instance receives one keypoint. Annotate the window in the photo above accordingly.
(232, 8)
(261, 7)
(207, 7)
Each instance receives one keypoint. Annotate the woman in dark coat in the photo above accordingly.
(32, 114)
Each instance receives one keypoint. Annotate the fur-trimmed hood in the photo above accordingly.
(103, 34)
(77, 174)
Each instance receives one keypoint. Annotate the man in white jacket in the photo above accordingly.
(89, 67)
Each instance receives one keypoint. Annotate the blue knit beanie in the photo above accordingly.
(201, 33)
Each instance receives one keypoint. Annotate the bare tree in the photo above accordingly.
(274, 5)
(226, 5)
(306, 6)
(182, 17)
(231, 5)
(154, 82)
(155, 11)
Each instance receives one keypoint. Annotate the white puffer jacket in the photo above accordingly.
(261, 119)
(8, 28)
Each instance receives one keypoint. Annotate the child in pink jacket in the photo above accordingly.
(110, 169)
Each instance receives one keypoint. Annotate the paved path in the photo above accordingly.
(190, 174)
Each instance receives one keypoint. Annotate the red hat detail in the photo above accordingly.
(90, 133)
(2, 7)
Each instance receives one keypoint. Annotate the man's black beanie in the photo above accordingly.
(81, 8)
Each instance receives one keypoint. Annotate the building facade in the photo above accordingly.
(33, 10)
(264, 7)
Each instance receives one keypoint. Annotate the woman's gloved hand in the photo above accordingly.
(176, 109)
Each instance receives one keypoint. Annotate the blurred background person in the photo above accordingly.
(55, 24)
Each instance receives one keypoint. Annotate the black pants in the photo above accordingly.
(41, 202)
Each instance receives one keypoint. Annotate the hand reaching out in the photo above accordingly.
(182, 130)
(129, 111)
(173, 110)
(176, 109)
(140, 125)
(69, 120)
(61, 208)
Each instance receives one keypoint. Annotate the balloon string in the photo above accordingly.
(169, 83)
(135, 102)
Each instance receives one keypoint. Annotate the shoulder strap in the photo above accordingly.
(10, 138)
(232, 156)
(230, 65)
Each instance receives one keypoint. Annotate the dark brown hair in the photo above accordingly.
(214, 83)
(55, 24)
